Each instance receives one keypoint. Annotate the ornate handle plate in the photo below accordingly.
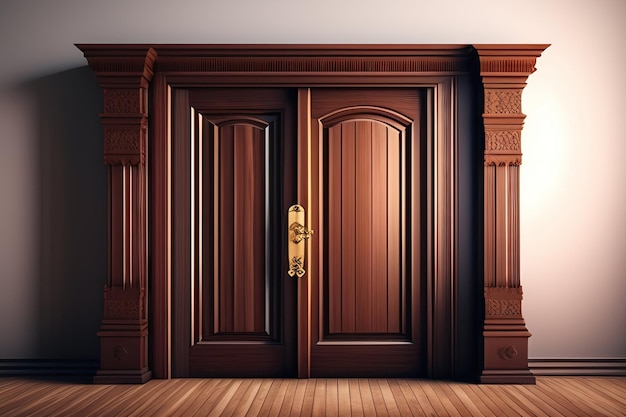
(297, 235)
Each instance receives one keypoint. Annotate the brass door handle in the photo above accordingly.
(297, 235)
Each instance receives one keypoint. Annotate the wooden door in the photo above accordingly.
(366, 296)
(233, 308)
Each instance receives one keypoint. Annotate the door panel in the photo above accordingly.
(233, 308)
(366, 301)
(364, 277)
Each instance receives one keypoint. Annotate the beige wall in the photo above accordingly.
(573, 177)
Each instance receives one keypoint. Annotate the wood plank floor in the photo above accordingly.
(552, 396)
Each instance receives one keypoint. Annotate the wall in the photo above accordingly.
(52, 209)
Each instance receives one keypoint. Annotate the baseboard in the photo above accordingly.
(579, 366)
(48, 367)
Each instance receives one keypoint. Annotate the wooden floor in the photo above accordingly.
(552, 396)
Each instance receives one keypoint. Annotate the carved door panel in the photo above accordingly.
(366, 304)
(232, 308)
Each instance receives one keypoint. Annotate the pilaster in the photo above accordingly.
(124, 79)
(504, 70)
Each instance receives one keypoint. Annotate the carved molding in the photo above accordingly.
(503, 302)
(357, 64)
(123, 304)
(122, 141)
(118, 100)
(502, 160)
(503, 101)
(502, 140)
(497, 65)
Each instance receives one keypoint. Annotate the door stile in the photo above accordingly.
(304, 199)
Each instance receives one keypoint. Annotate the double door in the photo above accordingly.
(353, 303)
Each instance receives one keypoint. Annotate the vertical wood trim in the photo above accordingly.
(226, 230)
(304, 199)
(160, 227)
(348, 227)
(181, 230)
(442, 304)
(501, 218)
(379, 227)
(513, 275)
(335, 254)
(490, 229)
(394, 231)
(363, 221)
(238, 232)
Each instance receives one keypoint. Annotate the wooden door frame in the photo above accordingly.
(137, 78)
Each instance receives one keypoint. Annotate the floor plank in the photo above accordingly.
(551, 396)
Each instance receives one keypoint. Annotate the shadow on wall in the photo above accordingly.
(72, 213)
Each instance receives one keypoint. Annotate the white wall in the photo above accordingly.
(573, 175)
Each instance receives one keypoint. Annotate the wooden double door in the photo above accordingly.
(353, 158)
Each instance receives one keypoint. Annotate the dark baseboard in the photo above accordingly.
(579, 366)
(48, 368)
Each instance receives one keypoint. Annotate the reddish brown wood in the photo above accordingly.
(348, 339)
(124, 71)
(303, 184)
(242, 306)
(504, 70)
(124, 77)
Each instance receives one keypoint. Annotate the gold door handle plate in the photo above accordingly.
(297, 235)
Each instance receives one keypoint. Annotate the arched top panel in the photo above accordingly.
(369, 113)
(238, 120)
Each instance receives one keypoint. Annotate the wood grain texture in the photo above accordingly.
(552, 396)
(229, 315)
(367, 289)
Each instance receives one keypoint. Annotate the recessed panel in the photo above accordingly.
(365, 279)
(234, 291)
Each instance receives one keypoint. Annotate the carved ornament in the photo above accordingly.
(503, 302)
(503, 101)
(124, 146)
(502, 140)
(507, 352)
(122, 101)
(503, 160)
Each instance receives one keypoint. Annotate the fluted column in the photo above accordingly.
(124, 331)
(504, 70)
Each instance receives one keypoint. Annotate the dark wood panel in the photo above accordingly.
(240, 301)
(241, 256)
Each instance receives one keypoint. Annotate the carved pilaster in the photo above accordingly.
(124, 331)
(504, 70)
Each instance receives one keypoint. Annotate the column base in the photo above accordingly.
(123, 377)
(507, 377)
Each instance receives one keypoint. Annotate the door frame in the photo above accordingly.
(472, 269)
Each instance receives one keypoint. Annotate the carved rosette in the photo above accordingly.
(504, 71)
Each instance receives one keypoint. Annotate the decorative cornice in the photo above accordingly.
(114, 66)
(351, 64)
